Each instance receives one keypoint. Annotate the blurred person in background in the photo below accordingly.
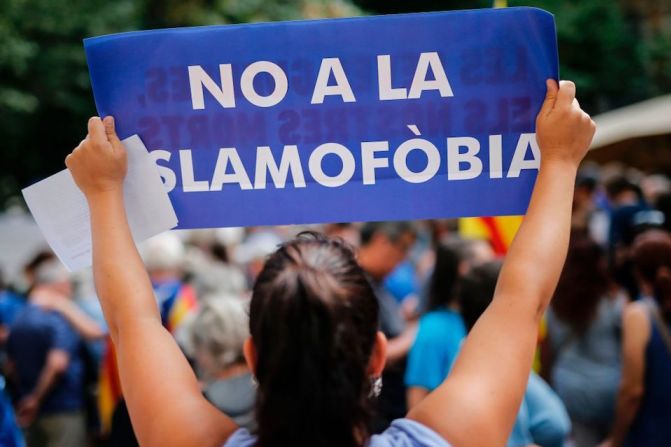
(403, 285)
(384, 245)
(13, 296)
(163, 256)
(12, 301)
(217, 334)
(581, 354)
(441, 329)
(207, 262)
(471, 253)
(654, 186)
(255, 248)
(626, 201)
(348, 232)
(583, 202)
(542, 418)
(46, 362)
(663, 204)
(10, 433)
(644, 400)
(11, 304)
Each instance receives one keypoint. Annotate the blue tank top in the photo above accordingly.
(651, 428)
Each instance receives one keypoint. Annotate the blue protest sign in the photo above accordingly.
(372, 118)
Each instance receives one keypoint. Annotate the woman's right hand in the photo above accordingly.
(99, 163)
(563, 131)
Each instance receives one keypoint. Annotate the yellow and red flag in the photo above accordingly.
(179, 302)
(499, 231)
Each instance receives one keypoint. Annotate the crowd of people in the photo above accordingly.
(604, 370)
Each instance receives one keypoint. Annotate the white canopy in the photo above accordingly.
(647, 118)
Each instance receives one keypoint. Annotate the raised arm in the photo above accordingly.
(478, 402)
(164, 400)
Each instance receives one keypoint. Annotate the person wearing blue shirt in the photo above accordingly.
(436, 347)
(11, 304)
(45, 353)
(542, 418)
(441, 329)
(10, 434)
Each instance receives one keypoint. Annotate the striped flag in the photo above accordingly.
(176, 301)
(499, 231)
(185, 303)
(109, 387)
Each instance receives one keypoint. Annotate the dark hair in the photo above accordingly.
(313, 319)
(663, 204)
(444, 277)
(651, 254)
(33, 265)
(38, 259)
(393, 230)
(586, 182)
(220, 253)
(476, 291)
(621, 184)
(583, 283)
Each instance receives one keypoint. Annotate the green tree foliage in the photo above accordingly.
(603, 48)
(612, 49)
(45, 93)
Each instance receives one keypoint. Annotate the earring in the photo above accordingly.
(375, 387)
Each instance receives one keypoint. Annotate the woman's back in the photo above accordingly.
(587, 368)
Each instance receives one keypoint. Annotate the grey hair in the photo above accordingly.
(50, 272)
(220, 329)
(163, 252)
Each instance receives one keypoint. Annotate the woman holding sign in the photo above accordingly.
(314, 347)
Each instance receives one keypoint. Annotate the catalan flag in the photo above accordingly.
(109, 386)
(176, 301)
(499, 231)
(178, 308)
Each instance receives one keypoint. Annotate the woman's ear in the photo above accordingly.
(378, 357)
(249, 351)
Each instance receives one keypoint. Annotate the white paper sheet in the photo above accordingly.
(61, 211)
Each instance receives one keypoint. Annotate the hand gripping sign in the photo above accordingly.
(373, 118)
